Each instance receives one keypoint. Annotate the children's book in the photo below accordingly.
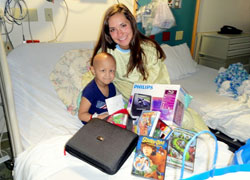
(177, 143)
(162, 130)
(119, 119)
(150, 158)
(169, 99)
(147, 122)
(118, 115)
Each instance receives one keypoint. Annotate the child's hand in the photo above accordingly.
(103, 115)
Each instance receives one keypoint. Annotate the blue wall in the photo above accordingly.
(184, 17)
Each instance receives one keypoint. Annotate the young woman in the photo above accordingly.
(139, 59)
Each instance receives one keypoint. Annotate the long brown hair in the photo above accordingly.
(137, 56)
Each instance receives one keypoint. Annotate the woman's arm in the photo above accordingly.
(156, 68)
(157, 72)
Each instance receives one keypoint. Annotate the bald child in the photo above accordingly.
(103, 67)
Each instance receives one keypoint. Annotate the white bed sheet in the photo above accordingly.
(40, 113)
(47, 161)
(224, 113)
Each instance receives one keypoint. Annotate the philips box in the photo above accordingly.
(169, 99)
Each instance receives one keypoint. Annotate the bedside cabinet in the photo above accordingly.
(221, 50)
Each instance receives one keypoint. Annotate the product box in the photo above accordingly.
(169, 99)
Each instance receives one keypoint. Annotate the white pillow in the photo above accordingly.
(184, 52)
(179, 61)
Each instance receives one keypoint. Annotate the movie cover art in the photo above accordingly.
(150, 158)
(147, 123)
(177, 143)
(162, 130)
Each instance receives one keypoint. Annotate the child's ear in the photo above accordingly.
(92, 70)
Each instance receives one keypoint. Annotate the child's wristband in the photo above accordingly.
(93, 115)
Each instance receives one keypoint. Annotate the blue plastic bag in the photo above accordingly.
(243, 151)
(242, 155)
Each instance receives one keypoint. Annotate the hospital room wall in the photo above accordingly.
(85, 17)
(214, 14)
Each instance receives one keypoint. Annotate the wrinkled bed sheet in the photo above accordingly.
(230, 116)
(47, 161)
(40, 113)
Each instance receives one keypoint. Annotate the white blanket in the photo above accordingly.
(47, 161)
(232, 119)
(230, 116)
(40, 113)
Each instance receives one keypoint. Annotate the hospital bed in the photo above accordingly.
(35, 78)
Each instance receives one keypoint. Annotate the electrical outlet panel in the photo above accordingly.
(48, 14)
(179, 35)
(33, 16)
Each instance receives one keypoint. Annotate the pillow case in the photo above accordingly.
(179, 61)
(67, 74)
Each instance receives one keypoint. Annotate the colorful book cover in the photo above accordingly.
(162, 130)
(119, 119)
(177, 143)
(147, 123)
(115, 106)
(150, 158)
